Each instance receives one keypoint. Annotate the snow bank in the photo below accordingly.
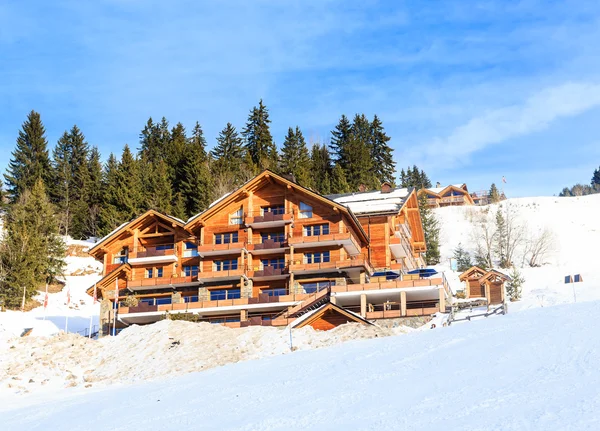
(535, 370)
(148, 352)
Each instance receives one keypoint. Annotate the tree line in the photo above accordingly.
(584, 189)
(172, 170)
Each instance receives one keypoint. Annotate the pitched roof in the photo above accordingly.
(494, 273)
(122, 227)
(256, 182)
(310, 317)
(470, 271)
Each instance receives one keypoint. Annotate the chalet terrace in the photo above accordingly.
(268, 254)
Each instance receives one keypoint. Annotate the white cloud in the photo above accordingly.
(496, 126)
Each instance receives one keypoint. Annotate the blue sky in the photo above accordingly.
(468, 90)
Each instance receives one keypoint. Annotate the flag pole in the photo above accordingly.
(115, 307)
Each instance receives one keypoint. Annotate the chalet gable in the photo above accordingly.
(151, 224)
(267, 189)
(474, 272)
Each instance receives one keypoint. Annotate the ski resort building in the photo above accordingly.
(456, 194)
(269, 253)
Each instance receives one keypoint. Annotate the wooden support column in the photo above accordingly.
(442, 299)
(363, 305)
(487, 293)
(105, 268)
(136, 233)
(201, 235)
(243, 315)
(403, 303)
(291, 254)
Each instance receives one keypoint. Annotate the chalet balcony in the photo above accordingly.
(433, 202)
(157, 254)
(160, 283)
(452, 200)
(225, 275)
(399, 248)
(270, 273)
(357, 263)
(268, 220)
(267, 247)
(329, 240)
(220, 249)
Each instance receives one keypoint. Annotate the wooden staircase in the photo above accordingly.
(313, 302)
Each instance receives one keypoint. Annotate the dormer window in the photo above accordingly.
(305, 211)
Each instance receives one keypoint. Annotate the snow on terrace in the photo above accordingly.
(537, 371)
(575, 227)
(372, 202)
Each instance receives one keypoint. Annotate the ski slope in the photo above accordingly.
(535, 370)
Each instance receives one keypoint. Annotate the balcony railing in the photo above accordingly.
(268, 272)
(154, 251)
(216, 249)
(298, 266)
(266, 245)
(344, 239)
(267, 219)
(158, 282)
(452, 199)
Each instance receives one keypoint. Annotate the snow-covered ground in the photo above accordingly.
(535, 370)
(574, 224)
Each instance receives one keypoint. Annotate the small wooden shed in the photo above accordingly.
(471, 277)
(485, 284)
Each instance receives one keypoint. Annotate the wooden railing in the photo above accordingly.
(160, 281)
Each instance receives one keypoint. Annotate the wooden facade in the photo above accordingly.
(269, 247)
(452, 195)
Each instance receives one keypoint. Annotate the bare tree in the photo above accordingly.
(537, 247)
(484, 236)
(510, 235)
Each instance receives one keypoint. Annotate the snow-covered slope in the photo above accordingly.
(574, 224)
(526, 371)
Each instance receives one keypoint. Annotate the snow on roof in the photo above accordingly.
(372, 202)
(439, 189)
(111, 233)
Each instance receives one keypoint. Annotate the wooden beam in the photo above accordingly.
(154, 235)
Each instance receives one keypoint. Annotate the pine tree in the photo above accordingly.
(30, 160)
(31, 252)
(150, 146)
(94, 195)
(110, 213)
(596, 178)
(321, 168)
(384, 166)
(177, 152)
(338, 180)
(501, 239)
(62, 185)
(295, 159)
(359, 167)
(130, 195)
(431, 230)
(463, 258)
(159, 191)
(339, 141)
(259, 142)
(196, 186)
(494, 195)
(229, 151)
(81, 187)
(514, 286)
(178, 209)
(413, 177)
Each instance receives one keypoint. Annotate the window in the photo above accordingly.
(225, 265)
(165, 247)
(163, 301)
(237, 217)
(190, 249)
(278, 263)
(190, 270)
(316, 229)
(193, 298)
(159, 272)
(275, 236)
(216, 295)
(305, 211)
(278, 291)
(275, 209)
(149, 272)
(315, 287)
(122, 256)
(226, 238)
(316, 257)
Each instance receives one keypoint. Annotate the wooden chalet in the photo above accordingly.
(456, 194)
(488, 285)
(267, 254)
